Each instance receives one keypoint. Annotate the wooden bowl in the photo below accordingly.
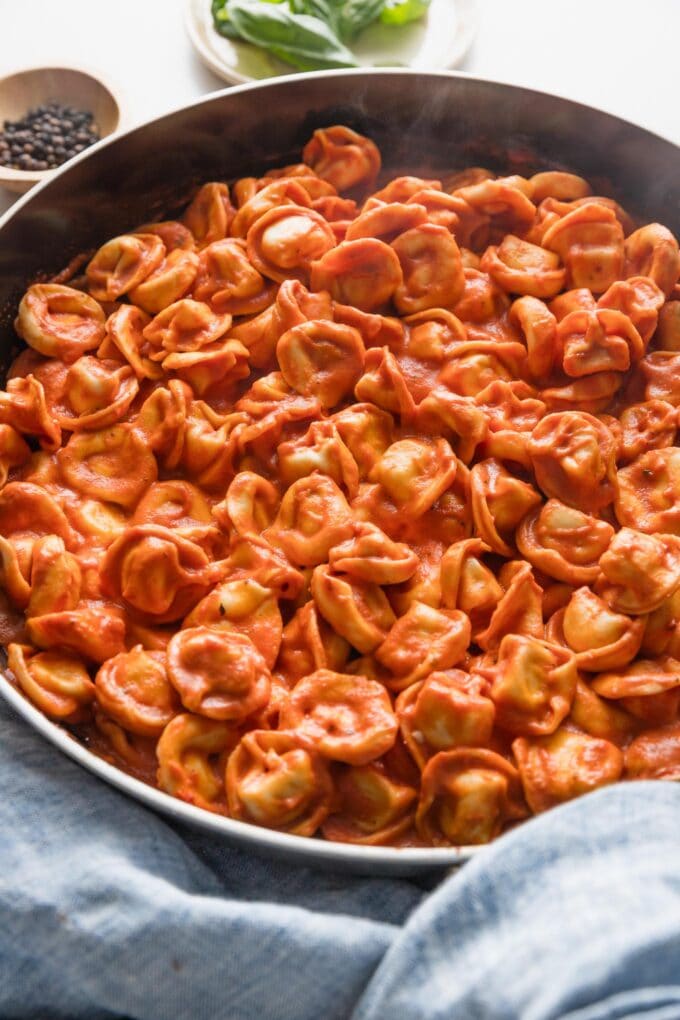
(24, 90)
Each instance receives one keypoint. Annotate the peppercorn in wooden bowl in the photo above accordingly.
(56, 112)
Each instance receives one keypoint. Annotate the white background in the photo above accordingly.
(620, 55)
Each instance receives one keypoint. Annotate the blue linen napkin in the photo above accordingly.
(109, 911)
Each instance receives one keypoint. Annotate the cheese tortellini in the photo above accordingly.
(347, 504)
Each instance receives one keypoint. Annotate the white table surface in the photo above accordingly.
(615, 54)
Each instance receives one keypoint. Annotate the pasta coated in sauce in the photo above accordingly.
(348, 506)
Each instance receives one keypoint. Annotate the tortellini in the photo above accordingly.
(57, 683)
(564, 543)
(573, 457)
(357, 610)
(352, 511)
(226, 280)
(322, 359)
(468, 583)
(639, 571)
(308, 643)
(371, 555)
(248, 607)
(432, 269)
(122, 264)
(94, 630)
(56, 578)
(342, 157)
(125, 336)
(112, 464)
(168, 283)
(414, 473)
(157, 572)
(649, 492)
(600, 637)
(467, 796)
(23, 407)
(532, 684)
(648, 426)
(422, 640)
(208, 215)
(134, 690)
(649, 690)
(499, 502)
(349, 718)
(313, 517)
(365, 273)
(523, 268)
(654, 754)
(373, 805)
(602, 340)
(280, 780)
(192, 753)
(58, 321)
(286, 241)
(652, 251)
(564, 765)
(590, 242)
(449, 709)
(217, 673)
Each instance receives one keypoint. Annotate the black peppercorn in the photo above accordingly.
(46, 137)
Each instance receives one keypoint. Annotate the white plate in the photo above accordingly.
(439, 41)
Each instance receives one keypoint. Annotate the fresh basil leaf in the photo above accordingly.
(401, 12)
(302, 40)
(316, 8)
(322, 9)
(355, 15)
(222, 19)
